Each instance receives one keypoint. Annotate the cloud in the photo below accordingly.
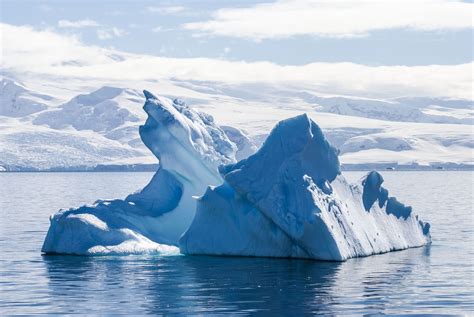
(165, 9)
(37, 51)
(335, 18)
(106, 34)
(29, 51)
(77, 24)
(157, 29)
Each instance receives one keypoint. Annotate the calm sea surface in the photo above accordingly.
(435, 279)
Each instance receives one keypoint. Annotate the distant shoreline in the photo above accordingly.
(154, 168)
(77, 169)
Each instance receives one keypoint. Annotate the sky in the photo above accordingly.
(401, 39)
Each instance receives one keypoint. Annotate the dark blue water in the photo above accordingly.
(433, 279)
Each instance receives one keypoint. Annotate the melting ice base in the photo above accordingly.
(288, 199)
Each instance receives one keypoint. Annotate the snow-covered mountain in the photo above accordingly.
(41, 132)
(50, 122)
(110, 111)
(101, 111)
(18, 101)
(402, 109)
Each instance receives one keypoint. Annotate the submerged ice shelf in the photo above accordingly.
(288, 199)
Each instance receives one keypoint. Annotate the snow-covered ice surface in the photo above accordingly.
(190, 147)
(289, 199)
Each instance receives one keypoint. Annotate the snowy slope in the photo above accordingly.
(429, 143)
(24, 145)
(18, 101)
(110, 111)
(402, 109)
(41, 131)
(100, 111)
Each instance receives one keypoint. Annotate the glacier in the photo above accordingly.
(216, 194)
(289, 199)
(190, 147)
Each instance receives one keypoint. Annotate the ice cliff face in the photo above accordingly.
(190, 147)
(290, 200)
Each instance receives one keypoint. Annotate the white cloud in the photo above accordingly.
(77, 24)
(25, 50)
(165, 9)
(106, 34)
(335, 18)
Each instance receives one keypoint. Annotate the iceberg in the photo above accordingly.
(289, 199)
(216, 194)
(189, 146)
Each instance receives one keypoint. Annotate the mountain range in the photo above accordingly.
(57, 123)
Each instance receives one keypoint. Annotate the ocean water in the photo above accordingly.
(434, 279)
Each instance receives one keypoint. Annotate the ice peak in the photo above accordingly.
(296, 143)
(295, 156)
(149, 95)
(373, 190)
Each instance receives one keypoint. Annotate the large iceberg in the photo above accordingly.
(289, 199)
(190, 147)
